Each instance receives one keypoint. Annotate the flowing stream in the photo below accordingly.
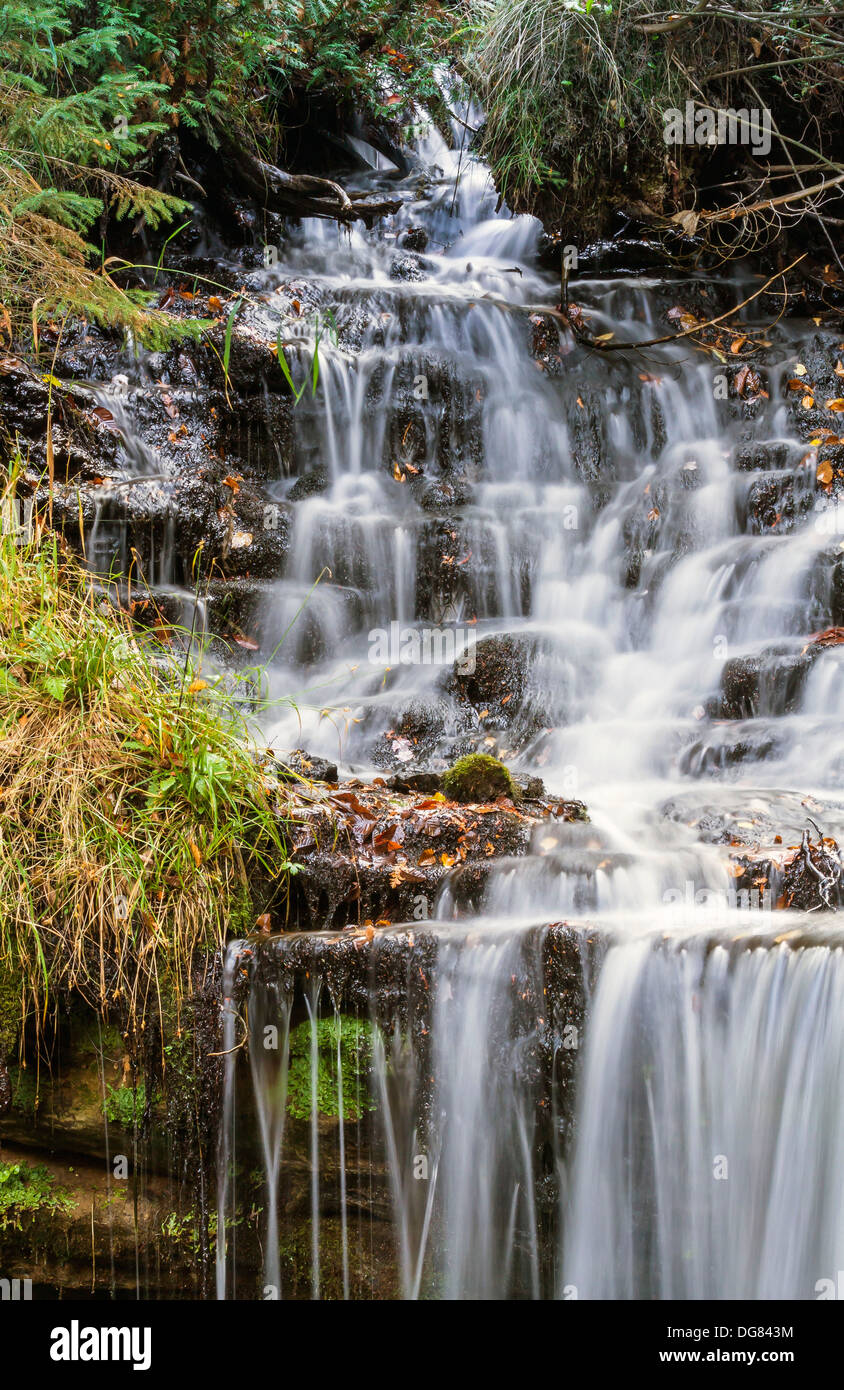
(600, 518)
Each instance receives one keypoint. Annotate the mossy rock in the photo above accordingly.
(478, 777)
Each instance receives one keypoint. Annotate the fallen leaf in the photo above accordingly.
(830, 637)
(688, 220)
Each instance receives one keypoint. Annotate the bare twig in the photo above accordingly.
(670, 26)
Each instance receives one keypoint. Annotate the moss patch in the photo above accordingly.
(355, 1040)
(10, 1010)
(478, 777)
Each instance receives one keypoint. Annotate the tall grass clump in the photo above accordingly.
(576, 91)
(134, 816)
(566, 91)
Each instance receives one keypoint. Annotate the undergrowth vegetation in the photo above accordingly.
(87, 90)
(134, 815)
(26, 1190)
(576, 92)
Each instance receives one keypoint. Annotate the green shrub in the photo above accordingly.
(25, 1190)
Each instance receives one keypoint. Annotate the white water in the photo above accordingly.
(635, 569)
(711, 1132)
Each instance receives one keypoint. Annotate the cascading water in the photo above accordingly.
(595, 516)
(711, 1133)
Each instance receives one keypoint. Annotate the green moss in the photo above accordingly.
(477, 777)
(10, 1009)
(25, 1097)
(355, 1038)
(126, 1107)
(25, 1190)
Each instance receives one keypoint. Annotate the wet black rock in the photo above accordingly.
(441, 494)
(414, 239)
(315, 481)
(306, 765)
(530, 787)
(242, 532)
(777, 503)
(420, 730)
(767, 684)
(819, 383)
(419, 783)
(407, 268)
(252, 366)
(500, 667)
(764, 455)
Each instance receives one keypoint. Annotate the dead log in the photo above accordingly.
(304, 195)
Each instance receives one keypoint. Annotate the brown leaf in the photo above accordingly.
(830, 637)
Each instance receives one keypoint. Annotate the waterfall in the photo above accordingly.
(710, 1135)
(622, 1076)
